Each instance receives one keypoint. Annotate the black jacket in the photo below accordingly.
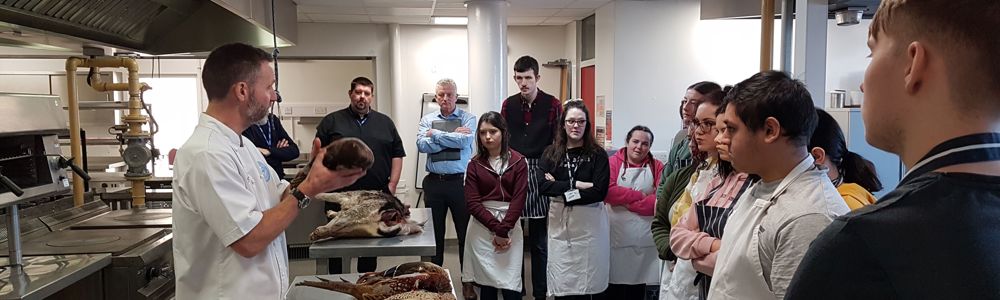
(377, 131)
(258, 134)
(590, 167)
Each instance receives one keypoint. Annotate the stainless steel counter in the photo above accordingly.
(421, 244)
(311, 293)
(44, 276)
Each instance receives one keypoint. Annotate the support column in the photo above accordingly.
(787, 11)
(809, 60)
(487, 54)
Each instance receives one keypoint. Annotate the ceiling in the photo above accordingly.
(521, 12)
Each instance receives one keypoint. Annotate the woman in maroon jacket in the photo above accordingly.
(496, 183)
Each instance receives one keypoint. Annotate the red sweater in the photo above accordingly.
(635, 201)
(482, 183)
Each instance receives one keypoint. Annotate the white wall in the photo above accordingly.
(648, 52)
(846, 55)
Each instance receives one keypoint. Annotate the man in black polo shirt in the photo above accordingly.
(932, 97)
(377, 131)
(531, 116)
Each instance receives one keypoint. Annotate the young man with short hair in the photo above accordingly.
(769, 119)
(531, 117)
(932, 96)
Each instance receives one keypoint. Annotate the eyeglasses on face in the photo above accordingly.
(570, 122)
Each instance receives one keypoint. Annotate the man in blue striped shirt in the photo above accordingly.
(446, 136)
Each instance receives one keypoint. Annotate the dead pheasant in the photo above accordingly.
(365, 214)
(344, 153)
(399, 282)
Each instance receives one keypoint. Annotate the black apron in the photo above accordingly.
(712, 220)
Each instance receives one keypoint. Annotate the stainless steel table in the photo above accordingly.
(311, 293)
(421, 244)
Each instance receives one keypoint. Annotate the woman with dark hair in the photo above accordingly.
(853, 175)
(496, 185)
(678, 179)
(576, 178)
(630, 201)
(697, 236)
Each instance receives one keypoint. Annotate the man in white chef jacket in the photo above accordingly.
(230, 208)
(769, 119)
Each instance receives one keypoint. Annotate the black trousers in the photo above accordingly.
(490, 293)
(538, 241)
(442, 195)
(626, 291)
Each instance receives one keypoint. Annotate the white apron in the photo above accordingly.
(579, 248)
(485, 266)
(679, 283)
(633, 254)
(665, 275)
(742, 238)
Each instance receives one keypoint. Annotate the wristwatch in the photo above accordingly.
(302, 198)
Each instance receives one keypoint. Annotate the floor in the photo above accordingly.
(302, 267)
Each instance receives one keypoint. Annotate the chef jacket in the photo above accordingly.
(222, 186)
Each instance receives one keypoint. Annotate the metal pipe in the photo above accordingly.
(134, 118)
(13, 237)
(75, 143)
(787, 10)
(766, 34)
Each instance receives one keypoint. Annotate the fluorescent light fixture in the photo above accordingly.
(450, 20)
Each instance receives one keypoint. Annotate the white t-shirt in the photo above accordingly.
(222, 186)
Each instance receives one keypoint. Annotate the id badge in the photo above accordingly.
(572, 195)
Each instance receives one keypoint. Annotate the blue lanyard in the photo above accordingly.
(270, 130)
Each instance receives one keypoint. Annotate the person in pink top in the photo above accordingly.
(698, 234)
(630, 202)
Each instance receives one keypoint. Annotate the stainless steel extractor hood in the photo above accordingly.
(147, 26)
(750, 9)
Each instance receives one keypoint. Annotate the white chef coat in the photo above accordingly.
(222, 186)
(767, 235)
(633, 254)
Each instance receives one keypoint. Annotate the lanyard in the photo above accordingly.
(575, 167)
(270, 130)
(971, 148)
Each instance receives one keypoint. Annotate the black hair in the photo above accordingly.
(229, 64)
(725, 167)
(556, 151)
(363, 81)
(495, 119)
(524, 63)
(705, 87)
(774, 94)
(853, 167)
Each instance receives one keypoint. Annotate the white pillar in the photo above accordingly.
(810, 47)
(487, 54)
(396, 67)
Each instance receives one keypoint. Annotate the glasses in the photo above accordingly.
(576, 122)
(705, 126)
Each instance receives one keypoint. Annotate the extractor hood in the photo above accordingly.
(750, 9)
(146, 26)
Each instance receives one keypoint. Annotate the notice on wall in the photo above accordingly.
(607, 126)
(599, 135)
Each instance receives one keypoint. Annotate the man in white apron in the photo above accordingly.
(931, 97)
(773, 224)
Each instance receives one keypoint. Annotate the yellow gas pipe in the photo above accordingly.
(134, 119)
